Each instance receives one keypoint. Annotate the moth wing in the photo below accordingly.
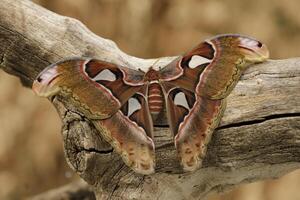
(138, 111)
(129, 131)
(178, 104)
(179, 82)
(98, 88)
(232, 54)
(213, 67)
(184, 72)
(196, 130)
(192, 120)
(210, 71)
(110, 95)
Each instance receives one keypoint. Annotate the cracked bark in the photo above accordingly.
(76, 190)
(259, 136)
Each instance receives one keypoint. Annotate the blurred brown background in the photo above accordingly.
(31, 156)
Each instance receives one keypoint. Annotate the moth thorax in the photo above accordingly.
(155, 98)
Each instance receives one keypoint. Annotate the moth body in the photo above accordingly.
(155, 98)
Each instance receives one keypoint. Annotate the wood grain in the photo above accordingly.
(259, 136)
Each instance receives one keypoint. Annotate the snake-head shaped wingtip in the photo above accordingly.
(253, 50)
(44, 85)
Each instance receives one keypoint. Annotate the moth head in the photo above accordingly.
(253, 50)
(44, 85)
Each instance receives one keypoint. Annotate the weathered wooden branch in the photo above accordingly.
(76, 190)
(259, 136)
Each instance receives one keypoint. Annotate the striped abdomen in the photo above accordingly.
(155, 98)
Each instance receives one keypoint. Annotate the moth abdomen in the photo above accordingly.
(155, 98)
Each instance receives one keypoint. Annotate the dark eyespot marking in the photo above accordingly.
(259, 44)
(39, 79)
(48, 75)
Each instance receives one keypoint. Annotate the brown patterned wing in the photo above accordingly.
(113, 98)
(179, 103)
(130, 142)
(192, 120)
(209, 73)
(195, 131)
(232, 55)
(130, 133)
(98, 88)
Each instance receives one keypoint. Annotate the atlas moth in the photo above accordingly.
(123, 102)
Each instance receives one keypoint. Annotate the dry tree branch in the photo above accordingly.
(75, 190)
(259, 136)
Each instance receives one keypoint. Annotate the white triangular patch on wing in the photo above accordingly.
(248, 42)
(133, 105)
(197, 60)
(105, 75)
(180, 99)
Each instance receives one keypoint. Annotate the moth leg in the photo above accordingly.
(130, 141)
(195, 132)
